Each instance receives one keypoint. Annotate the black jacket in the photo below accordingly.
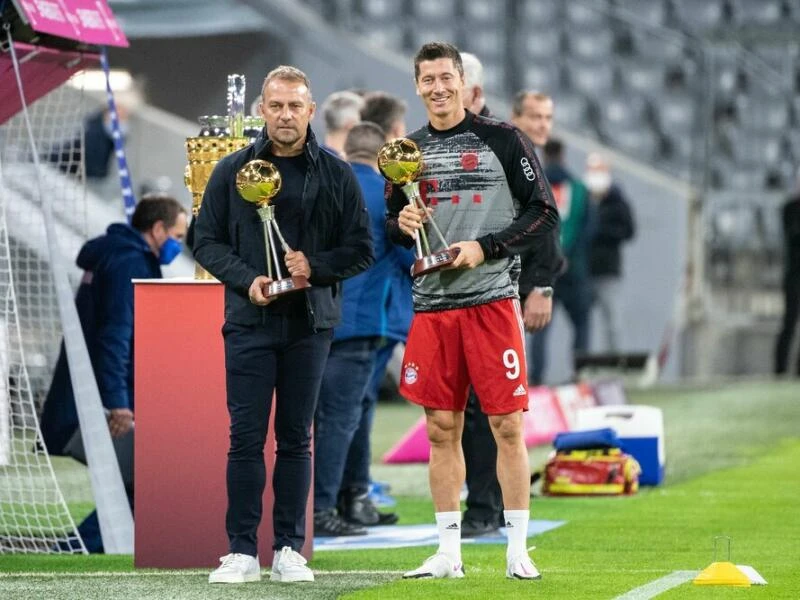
(791, 232)
(105, 308)
(613, 225)
(335, 237)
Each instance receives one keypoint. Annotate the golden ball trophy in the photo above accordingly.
(219, 136)
(259, 181)
(400, 161)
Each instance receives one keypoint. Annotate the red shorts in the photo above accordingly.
(483, 345)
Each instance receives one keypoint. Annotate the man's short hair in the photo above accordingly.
(553, 150)
(153, 208)
(287, 73)
(383, 109)
(518, 103)
(436, 50)
(473, 70)
(363, 141)
(341, 108)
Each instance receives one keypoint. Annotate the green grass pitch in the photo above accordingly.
(732, 469)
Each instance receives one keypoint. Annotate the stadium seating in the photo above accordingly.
(627, 69)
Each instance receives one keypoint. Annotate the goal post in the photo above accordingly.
(34, 515)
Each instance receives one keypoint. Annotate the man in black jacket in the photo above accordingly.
(613, 226)
(278, 345)
(791, 281)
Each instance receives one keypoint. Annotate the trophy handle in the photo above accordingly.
(412, 191)
(284, 245)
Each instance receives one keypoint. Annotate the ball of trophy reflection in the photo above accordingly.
(259, 181)
(400, 161)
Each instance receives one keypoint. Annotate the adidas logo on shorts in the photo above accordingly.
(520, 391)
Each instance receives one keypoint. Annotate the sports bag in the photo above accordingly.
(596, 472)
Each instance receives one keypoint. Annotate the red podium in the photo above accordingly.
(182, 429)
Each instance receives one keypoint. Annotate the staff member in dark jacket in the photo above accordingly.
(355, 344)
(791, 281)
(105, 308)
(613, 226)
(282, 344)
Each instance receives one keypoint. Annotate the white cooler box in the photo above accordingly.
(640, 430)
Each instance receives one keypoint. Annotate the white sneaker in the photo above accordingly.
(522, 567)
(288, 565)
(438, 566)
(236, 568)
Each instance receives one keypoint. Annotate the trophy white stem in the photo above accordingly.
(267, 214)
(267, 248)
(437, 231)
(411, 190)
(274, 254)
(284, 245)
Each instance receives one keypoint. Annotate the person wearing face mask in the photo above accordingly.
(105, 308)
(613, 225)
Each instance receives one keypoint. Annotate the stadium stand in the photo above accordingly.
(620, 66)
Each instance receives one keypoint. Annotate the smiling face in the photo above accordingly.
(287, 109)
(441, 87)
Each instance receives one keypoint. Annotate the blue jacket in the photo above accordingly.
(105, 308)
(367, 297)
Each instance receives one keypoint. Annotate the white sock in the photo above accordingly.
(449, 526)
(516, 531)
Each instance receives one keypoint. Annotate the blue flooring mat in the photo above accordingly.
(399, 536)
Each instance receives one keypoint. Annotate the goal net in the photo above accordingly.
(34, 516)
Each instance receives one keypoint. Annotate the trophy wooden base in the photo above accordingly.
(434, 262)
(286, 286)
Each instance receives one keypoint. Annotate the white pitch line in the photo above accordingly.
(188, 572)
(659, 586)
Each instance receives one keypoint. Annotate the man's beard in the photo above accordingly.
(286, 136)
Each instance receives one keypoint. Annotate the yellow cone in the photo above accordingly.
(722, 573)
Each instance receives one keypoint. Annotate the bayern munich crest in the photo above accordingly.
(410, 373)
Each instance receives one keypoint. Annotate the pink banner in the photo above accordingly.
(41, 69)
(89, 21)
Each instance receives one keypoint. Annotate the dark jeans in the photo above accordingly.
(484, 498)
(339, 410)
(574, 294)
(286, 357)
(791, 295)
(356, 470)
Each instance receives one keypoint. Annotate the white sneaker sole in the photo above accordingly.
(234, 578)
(423, 575)
(511, 575)
(291, 577)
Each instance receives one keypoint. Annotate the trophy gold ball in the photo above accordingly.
(258, 181)
(400, 161)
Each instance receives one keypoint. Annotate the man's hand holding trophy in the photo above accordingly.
(400, 161)
(259, 181)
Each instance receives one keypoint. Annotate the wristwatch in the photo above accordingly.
(545, 291)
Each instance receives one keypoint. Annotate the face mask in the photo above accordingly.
(169, 251)
(598, 182)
